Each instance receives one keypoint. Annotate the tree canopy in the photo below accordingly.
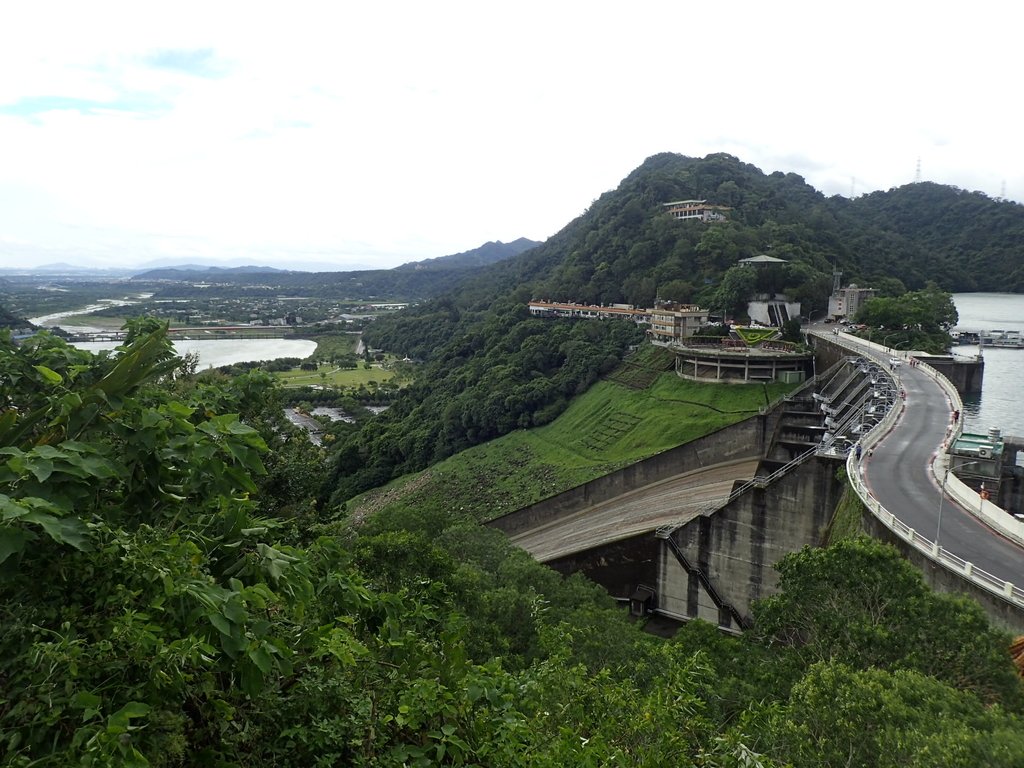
(165, 600)
(914, 320)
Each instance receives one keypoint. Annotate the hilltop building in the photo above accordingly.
(771, 309)
(677, 327)
(689, 210)
(762, 260)
(591, 311)
(669, 322)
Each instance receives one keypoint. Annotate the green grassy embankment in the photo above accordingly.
(608, 427)
(846, 520)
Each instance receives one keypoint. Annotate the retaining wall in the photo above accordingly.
(739, 545)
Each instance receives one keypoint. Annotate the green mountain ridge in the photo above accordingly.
(624, 247)
(409, 282)
(491, 368)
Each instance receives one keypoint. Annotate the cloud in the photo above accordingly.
(201, 62)
(409, 130)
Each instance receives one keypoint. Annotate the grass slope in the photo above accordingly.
(846, 520)
(609, 426)
(331, 376)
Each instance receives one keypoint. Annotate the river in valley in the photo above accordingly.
(56, 319)
(213, 353)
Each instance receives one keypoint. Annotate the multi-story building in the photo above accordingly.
(558, 309)
(845, 302)
(695, 209)
(669, 322)
(675, 322)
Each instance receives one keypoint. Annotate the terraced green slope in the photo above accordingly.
(608, 427)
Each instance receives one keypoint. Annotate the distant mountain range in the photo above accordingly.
(414, 281)
(166, 269)
(179, 271)
(488, 253)
(65, 269)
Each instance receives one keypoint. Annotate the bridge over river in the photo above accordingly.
(695, 532)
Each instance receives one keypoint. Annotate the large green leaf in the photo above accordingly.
(51, 376)
(66, 530)
(121, 720)
(13, 540)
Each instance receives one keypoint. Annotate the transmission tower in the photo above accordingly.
(917, 174)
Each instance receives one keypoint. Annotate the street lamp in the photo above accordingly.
(942, 493)
(810, 315)
(887, 337)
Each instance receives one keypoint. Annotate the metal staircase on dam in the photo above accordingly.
(825, 419)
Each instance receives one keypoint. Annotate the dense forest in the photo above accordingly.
(170, 596)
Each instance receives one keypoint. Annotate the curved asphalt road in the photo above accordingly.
(899, 474)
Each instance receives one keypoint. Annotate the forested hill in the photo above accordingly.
(975, 243)
(491, 368)
(626, 249)
(488, 253)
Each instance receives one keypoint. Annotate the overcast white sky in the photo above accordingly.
(374, 133)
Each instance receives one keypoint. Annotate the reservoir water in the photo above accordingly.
(999, 404)
(214, 353)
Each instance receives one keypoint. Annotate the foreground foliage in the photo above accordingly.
(167, 600)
